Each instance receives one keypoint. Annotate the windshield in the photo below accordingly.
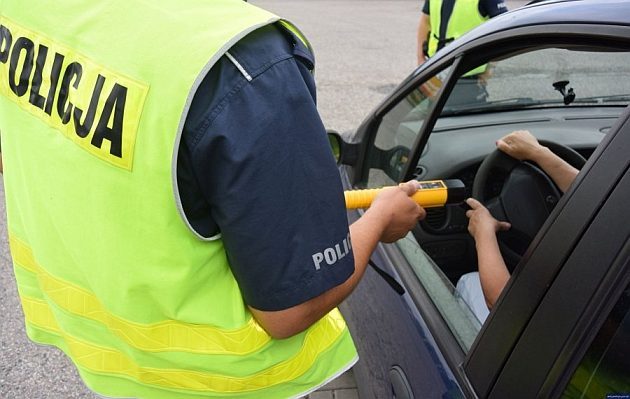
(549, 77)
(542, 84)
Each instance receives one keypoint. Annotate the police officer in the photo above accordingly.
(187, 236)
(443, 21)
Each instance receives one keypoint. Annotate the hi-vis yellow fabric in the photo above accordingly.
(166, 335)
(92, 101)
(101, 105)
(465, 16)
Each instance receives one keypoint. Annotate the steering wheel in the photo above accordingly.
(526, 199)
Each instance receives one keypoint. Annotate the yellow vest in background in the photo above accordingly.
(93, 96)
(465, 16)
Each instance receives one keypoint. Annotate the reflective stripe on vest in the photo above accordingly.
(91, 109)
(170, 336)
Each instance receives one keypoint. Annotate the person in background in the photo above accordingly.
(442, 21)
(482, 289)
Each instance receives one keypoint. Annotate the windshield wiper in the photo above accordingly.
(604, 99)
(511, 104)
(569, 96)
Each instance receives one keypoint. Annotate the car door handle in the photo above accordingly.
(400, 385)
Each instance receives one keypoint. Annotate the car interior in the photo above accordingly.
(568, 96)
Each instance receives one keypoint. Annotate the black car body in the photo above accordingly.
(561, 327)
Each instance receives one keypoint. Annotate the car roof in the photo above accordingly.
(594, 12)
(616, 12)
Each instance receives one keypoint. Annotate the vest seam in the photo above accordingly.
(238, 66)
(270, 64)
(202, 127)
(257, 69)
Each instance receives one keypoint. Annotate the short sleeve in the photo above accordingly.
(426, 8)
(260, 159)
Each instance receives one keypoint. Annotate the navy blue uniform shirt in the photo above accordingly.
(255, 165)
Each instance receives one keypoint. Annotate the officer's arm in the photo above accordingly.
(390, 218)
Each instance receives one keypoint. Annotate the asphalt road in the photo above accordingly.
(363, 49)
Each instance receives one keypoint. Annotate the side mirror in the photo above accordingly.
(390, 161)
(344, 152)
(393, 161)
(335, 144)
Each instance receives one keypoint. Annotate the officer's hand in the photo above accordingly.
(397, 210)
(421, 57)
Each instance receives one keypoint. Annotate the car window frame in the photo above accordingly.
(367, 131)
(465, 57)
(534, 278)
(462, 59)
(484, 49)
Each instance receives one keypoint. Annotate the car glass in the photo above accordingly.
(456, 312)
(548, 77)
(604, 371)
(394, 139)
(570, 95)
(398, 131)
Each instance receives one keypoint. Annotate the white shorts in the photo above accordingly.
(469, 289)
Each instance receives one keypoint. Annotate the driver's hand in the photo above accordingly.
(480, 222)
(520, 144)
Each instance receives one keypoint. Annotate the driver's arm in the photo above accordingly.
(493, 274)
(522, 145)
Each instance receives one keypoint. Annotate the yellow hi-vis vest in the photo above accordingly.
(93, 96)
(464, 17)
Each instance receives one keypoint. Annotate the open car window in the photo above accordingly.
(398, 132)
(570, 95)
(457, 314)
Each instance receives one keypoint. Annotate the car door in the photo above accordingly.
(576, 274)
(479, 359)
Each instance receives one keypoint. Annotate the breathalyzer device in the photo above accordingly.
(430, 194)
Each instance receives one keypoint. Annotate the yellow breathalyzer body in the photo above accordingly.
(430, 194)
